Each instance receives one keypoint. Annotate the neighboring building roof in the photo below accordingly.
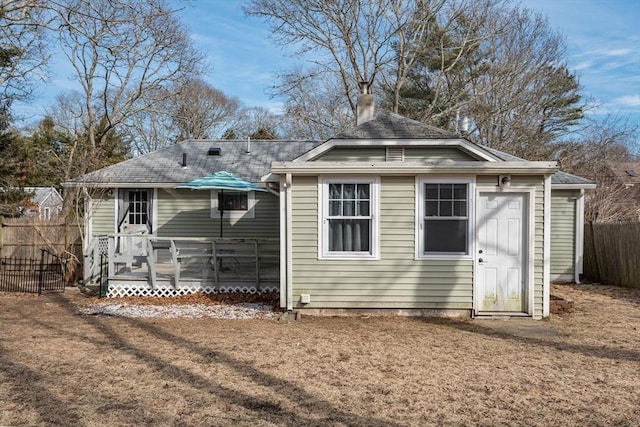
(41, 194)
(627, 173)
(387, 125)
(165, 165)
(560, 178)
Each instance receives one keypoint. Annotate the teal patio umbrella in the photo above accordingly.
(222, 180)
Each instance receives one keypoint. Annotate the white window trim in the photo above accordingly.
(154, 212)
(419, 212)
(249, 213)
(323, 229)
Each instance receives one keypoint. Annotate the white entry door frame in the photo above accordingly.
(525, 261)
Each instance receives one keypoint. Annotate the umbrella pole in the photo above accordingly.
(221, 206)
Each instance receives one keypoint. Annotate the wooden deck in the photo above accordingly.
(176, 266)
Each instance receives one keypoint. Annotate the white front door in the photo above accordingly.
(501, 253)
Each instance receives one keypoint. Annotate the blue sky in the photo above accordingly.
(602, 37)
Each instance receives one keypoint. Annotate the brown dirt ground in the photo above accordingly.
(61, 368)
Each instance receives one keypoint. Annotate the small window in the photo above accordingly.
(232, 201)
(235, 204)
(47, 213)
(349, 226)
(138, 204)
(444, 218)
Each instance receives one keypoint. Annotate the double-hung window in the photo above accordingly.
(349, 218)
(444, 213)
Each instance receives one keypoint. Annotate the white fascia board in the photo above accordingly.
(573, 186)
(124, 184)
(461, 143)
(270, 177)
(412, 168)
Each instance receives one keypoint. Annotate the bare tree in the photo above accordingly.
(190, 110)
(201, 111)
(593, 152)
(120, 50)
(315, 108)
(350, 39)
(257, 123)
(503, 67)
(435, 61)
(22, 49)
(152, 128)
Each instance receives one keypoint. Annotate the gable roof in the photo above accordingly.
(41, 194)
(387, 125)
(627, 173)
(389, 129)
(163, 168)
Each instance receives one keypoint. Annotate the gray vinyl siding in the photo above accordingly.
(563, 226)
(187, 213)
(397, 280)
(420, 154)
(103, 215)
(379, 154)
(354, 154)
(538, 236)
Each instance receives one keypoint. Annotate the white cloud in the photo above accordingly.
(628, 100)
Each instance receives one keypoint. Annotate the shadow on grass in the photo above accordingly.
(29, 388)
(476, 327)
(310, 409)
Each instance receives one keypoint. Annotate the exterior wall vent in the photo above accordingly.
(395, 154)
(214, 151)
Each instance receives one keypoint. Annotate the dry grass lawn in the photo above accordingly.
(61, 368)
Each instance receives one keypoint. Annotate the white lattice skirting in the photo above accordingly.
(119, 291)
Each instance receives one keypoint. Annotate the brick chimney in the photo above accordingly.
(365, 108)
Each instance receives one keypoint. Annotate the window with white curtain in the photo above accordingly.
(349, 220)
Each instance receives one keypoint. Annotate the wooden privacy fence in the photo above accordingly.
(612, 253)
(24, 238)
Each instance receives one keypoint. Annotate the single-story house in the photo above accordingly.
(45, 203)
(392, 214)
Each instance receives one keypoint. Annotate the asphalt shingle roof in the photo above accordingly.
(558, 178)
(165, 165)
(387, 125)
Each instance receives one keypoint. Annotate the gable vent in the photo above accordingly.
(395, 154)
(214, 151)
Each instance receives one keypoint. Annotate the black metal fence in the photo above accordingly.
(43, 275)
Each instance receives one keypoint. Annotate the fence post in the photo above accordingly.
(595, 252)
(1, 235)
(41, 278)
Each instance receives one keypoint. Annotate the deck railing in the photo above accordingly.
(216, 264)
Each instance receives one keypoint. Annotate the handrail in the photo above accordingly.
(177, 250)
